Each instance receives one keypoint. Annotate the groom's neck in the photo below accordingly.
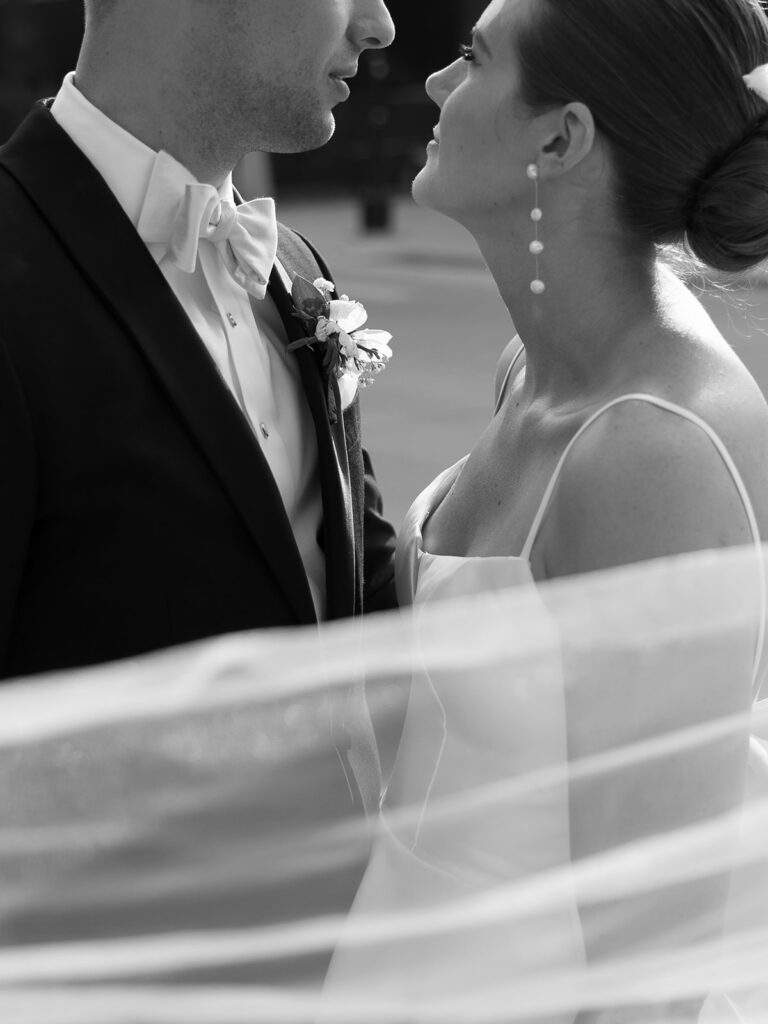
(147, 98)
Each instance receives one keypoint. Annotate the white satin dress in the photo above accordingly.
(459, 737)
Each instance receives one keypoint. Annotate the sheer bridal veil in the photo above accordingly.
(183, 836)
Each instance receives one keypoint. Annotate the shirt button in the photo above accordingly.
(264, 430)
(232, 321)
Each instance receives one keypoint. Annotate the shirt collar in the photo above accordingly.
(124, 162)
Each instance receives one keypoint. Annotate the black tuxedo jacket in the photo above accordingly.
(137, 509)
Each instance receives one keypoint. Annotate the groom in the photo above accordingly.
(169, 470)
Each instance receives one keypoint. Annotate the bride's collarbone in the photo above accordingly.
(489, 509)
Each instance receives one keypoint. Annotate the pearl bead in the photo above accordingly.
(536, 247)
(538, 287)
(536, 214)
(532, 171)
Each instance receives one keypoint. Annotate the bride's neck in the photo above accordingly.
(599, 293)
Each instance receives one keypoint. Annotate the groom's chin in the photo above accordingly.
(321, 132)
(306, 137)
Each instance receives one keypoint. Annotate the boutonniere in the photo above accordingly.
(336, 328)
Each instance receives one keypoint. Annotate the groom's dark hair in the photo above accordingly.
(663, 80)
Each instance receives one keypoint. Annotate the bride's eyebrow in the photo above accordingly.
(478, 40)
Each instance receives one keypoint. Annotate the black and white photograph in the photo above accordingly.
(383, 512)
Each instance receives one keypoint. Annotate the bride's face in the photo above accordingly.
(476, 166)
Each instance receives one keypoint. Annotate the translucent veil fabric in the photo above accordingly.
(575, 828)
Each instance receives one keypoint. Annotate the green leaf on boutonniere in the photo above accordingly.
(309, 303)
(299, 314)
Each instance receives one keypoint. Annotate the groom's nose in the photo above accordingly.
(372, 26)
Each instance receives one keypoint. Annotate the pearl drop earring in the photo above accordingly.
(537, 246)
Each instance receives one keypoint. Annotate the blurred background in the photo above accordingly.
(419, 275)
(380, 131)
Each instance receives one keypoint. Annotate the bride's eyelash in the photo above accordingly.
(467, 53)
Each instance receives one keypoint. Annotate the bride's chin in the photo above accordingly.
(421, 190)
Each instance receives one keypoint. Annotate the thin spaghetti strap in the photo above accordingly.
(507, 378)
(730, 465)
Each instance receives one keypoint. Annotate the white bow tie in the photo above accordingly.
(179, 212)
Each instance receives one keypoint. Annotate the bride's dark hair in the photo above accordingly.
(663, 79)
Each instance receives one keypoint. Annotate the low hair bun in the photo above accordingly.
(728, 224)
(676, 89)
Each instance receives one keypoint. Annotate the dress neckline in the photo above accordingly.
(426, 504)
(429, 502)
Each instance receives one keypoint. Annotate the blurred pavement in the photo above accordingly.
(425, 283)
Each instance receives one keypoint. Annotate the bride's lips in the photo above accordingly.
(436, 140)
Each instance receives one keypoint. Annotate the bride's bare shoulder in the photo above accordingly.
(656, 478)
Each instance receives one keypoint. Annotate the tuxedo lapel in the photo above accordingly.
(338, 529)
(90, 224)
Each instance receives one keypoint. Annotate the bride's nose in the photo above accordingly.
(442, 83)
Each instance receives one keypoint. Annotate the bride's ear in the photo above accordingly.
(570, 140)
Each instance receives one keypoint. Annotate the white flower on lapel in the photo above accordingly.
(350, 350)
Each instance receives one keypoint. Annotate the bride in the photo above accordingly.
(575, 138)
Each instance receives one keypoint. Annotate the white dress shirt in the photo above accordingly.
(245, 337)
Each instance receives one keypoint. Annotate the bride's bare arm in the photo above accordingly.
(644, 484)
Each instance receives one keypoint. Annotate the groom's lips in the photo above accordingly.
(339, 79)
(342, 75)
